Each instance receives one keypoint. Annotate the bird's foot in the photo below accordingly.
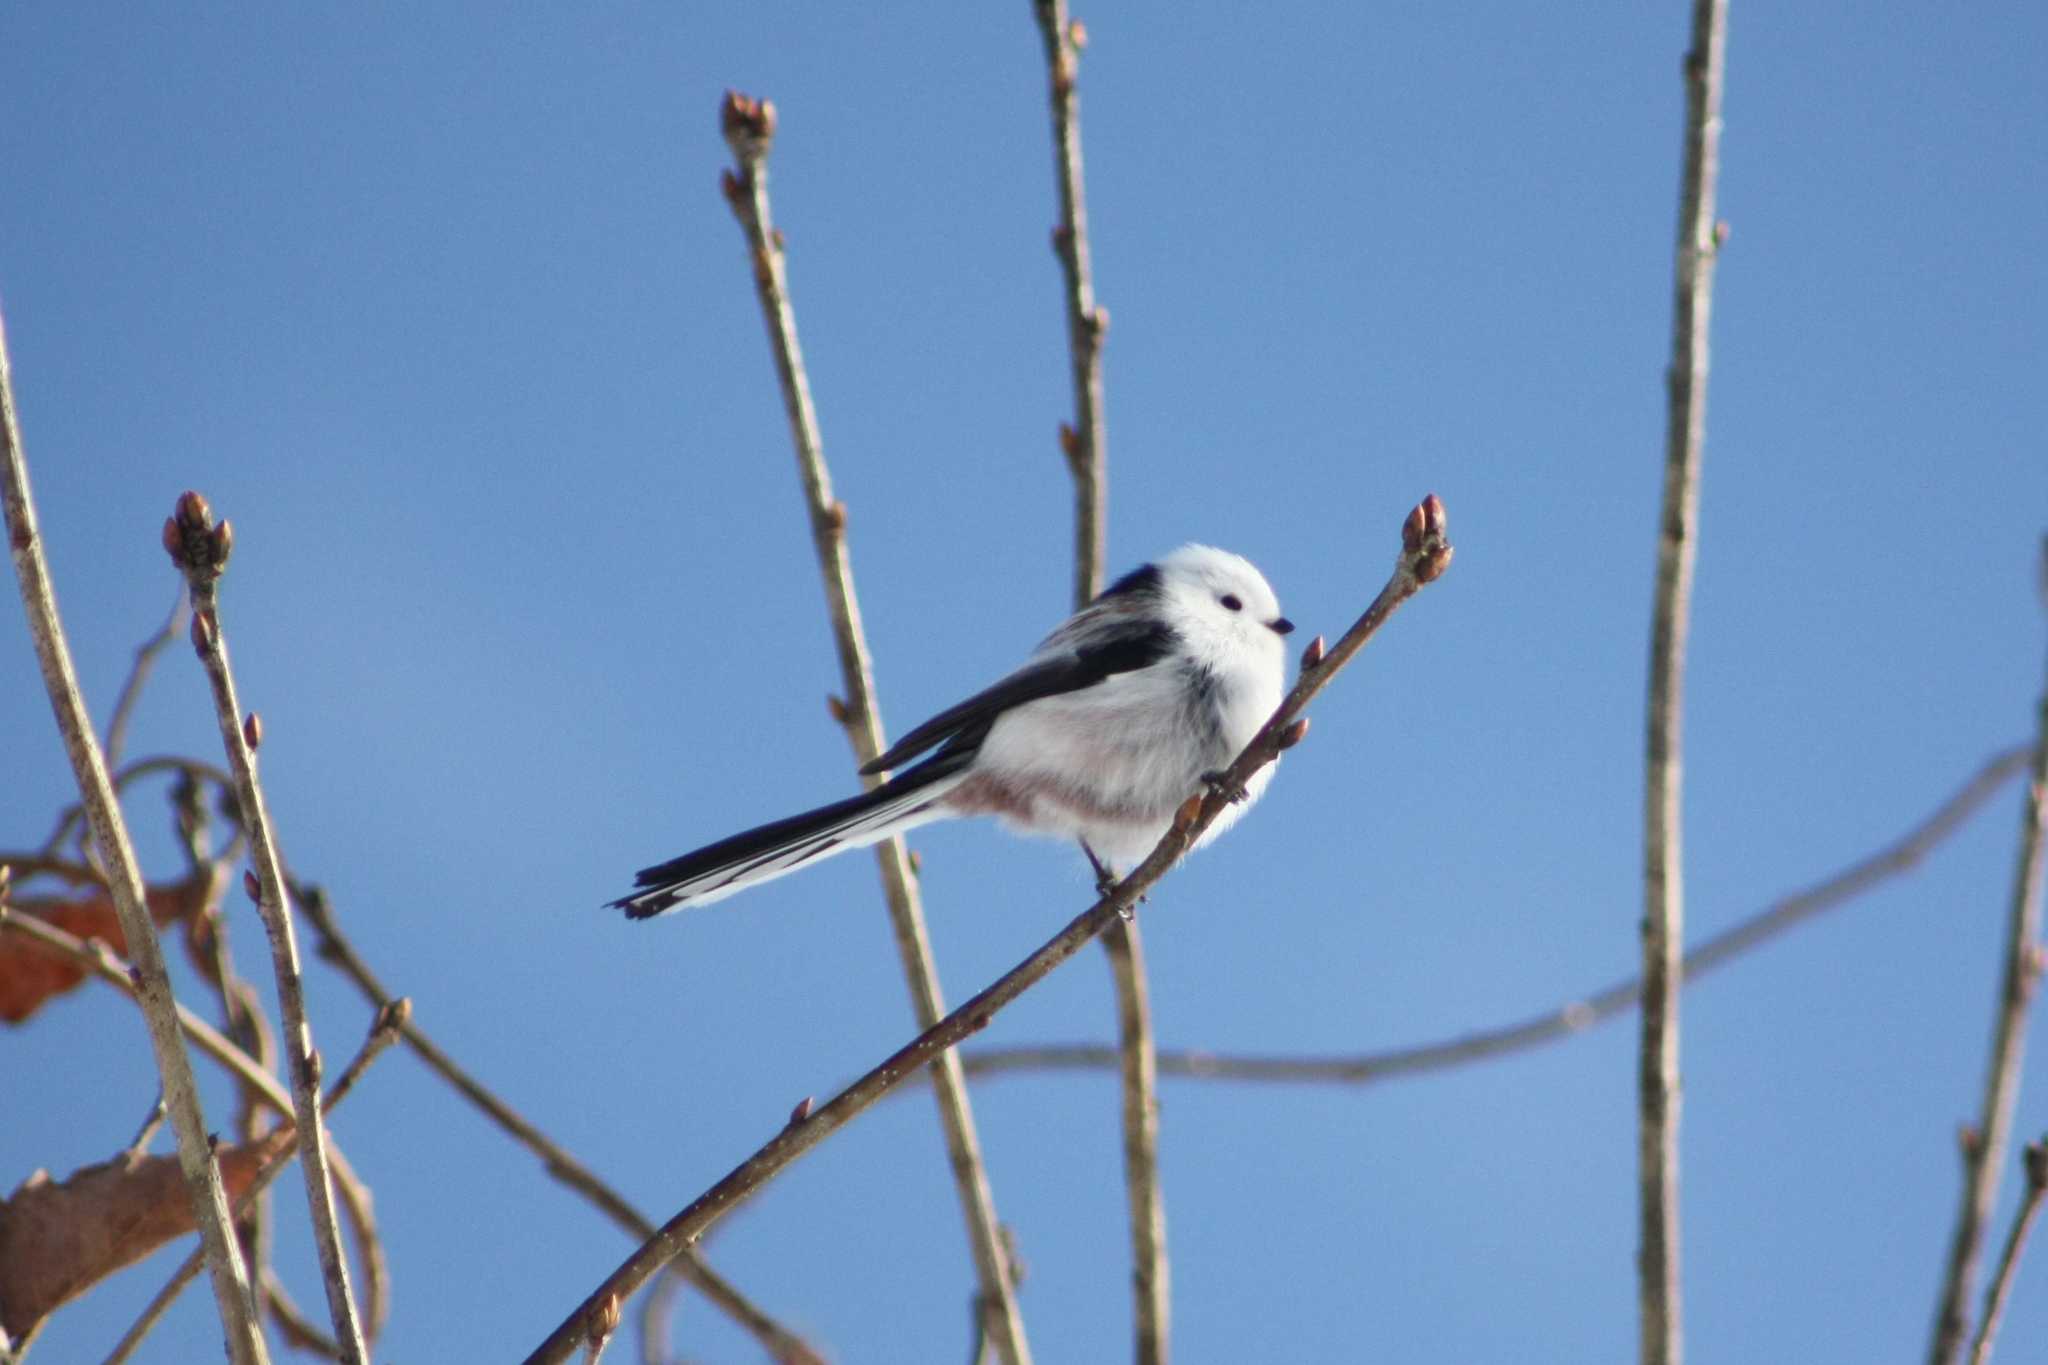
(1222, 784)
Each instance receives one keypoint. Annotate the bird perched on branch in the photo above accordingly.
(1131, 706)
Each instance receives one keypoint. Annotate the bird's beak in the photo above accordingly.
(1280, 626)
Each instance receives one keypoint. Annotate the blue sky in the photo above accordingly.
(441, 306)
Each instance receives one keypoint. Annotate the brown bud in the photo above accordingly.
(223, 545)
(1189, 809)
(1293, 734)
(174, 541)
(834, 518)
(1077, 34)
(395, 1015)
(252, 730)
(748, 125)
(315, 1064)
(202, 632)
(603, 1320)
(1313, 655)
(801, 1112)
(194, 512)
(251, 885)
(1062, 238)
(2036, 1160)
(731, 186)
(1721, 234)
(916, 863)
(1970, 1141)
(1100, 322)
(1070, 441)
(775, 236)
(839, 709)
(1432, 566)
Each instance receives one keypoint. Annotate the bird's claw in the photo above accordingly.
(1222, 784)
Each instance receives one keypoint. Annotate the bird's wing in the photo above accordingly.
(1071, 660)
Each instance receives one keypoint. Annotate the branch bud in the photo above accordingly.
(1293, 734)
(395, 1015)
(252, 730)
(748, 125)
(801, 1112)
(1313, 655)
(252, 886)
(841, 712)
(1077, 34)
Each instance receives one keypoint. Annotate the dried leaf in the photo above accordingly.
(29, 975)
(57, 1240)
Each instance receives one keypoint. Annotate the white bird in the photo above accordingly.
(1134, 704)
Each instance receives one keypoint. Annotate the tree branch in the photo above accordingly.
(335, 948)
(1086, 446)
(1425, 554)
(117, 857)
(2015, 1243)
(1663, 927)
(1560, 1022)
(383, 1032)
(749, 127)
(200, 548)
(131, 689)
(1984, 1145)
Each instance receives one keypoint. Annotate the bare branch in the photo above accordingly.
(131, 690)
(1425, 554)
(1562, 1021)
(2015, 1243)
(749, 127)
(1663, 925)
(1085, 443)
(200, 548)
(779, 1341)
(383, 1033)
(1984, 1145)
(110, 835)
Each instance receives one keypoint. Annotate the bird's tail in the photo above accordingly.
(757, 855)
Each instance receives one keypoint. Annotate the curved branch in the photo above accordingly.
(1902, 855)
(1425, 554)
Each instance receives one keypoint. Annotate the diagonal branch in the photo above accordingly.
(1425, 554)
(1568, 1020)
(117, 857)
(138, 673)
(1984, 1145)
(200, 548)
(749, 127)
(780, 1342)
(1663, 925)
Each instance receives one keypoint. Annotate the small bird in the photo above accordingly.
(1134, 704)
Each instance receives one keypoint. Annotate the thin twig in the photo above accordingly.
(1560, 1022)
(1984, 1145)
(1086, 447)
(191, 768)
(117, 856)
(334, 947)
(146, 1134)
(749, 127)
(1085, 443)
(2015, 1243)
(1424, 556)
(200, 549)
(138, 673)
(1663, 923)
(383, 1033)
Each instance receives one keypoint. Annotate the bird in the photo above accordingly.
(1134, 703)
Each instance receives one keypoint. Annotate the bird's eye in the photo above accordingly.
(1230, 601)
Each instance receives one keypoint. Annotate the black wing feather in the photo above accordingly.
(1143, 644)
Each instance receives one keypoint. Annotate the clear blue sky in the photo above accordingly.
(442, 307)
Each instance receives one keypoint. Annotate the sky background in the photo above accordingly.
(442, 307)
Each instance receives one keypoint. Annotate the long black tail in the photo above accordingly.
(757, 855)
